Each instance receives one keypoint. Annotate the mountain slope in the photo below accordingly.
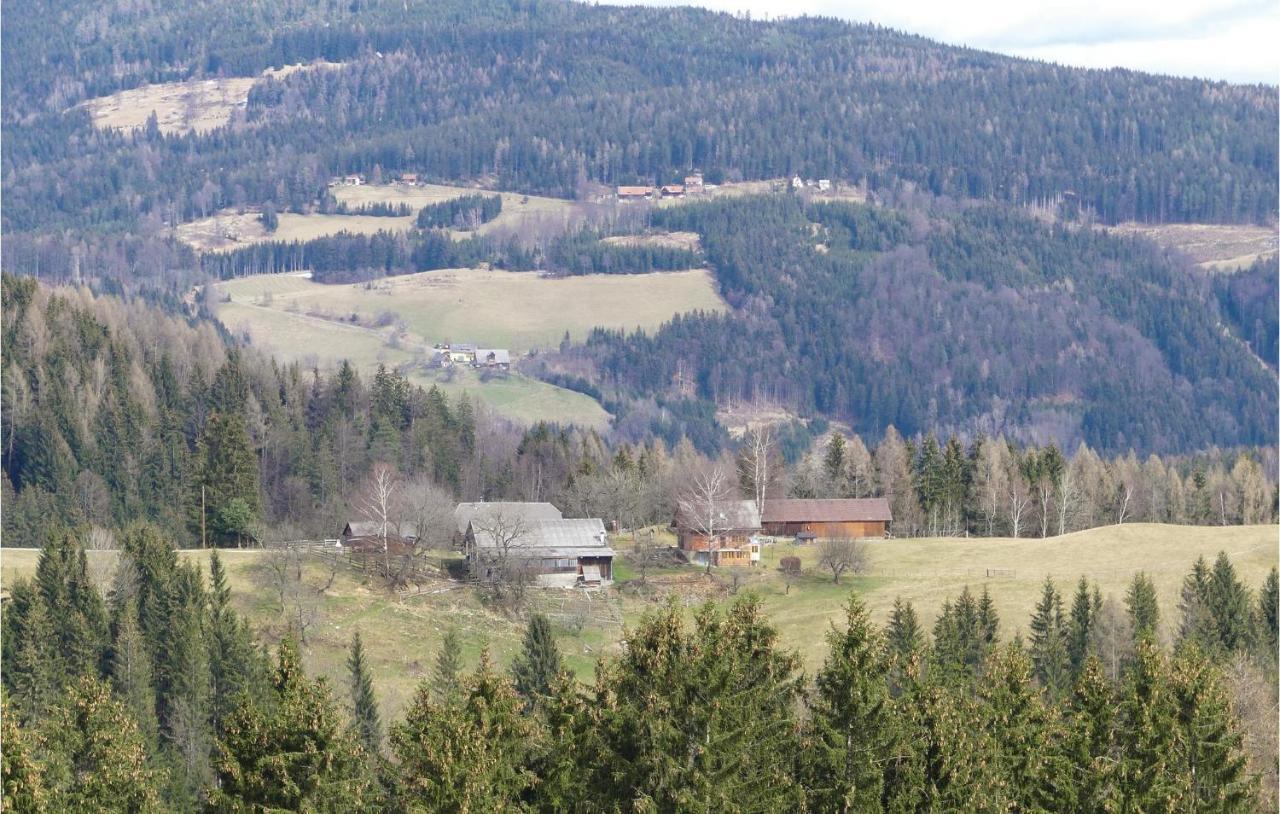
(980, 319)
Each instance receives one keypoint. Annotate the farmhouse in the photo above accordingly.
(673, 191)
(353, 180)
(693, 182)
(461, 353)
(634, 193)
(557, 553)
(498, 358)
(824, 184)
(836, 518)
(409, 178)
(735, 525)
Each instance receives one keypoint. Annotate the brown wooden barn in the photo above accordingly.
(850, 518)
(737, 524)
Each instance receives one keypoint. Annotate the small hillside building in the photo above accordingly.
(555, 553)
(366, 536)
(735, 542)
(499, 358)
(634, 193)
(851, 518)
(673, 191)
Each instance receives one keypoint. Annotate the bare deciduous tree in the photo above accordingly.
(377, 506)
(757, 462)
(841, 554)
(498, 559)
(700, 506)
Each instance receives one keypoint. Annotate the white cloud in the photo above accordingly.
(1235, 40)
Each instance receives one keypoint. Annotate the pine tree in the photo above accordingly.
(95, 758)
(448, 665)
(833, 464)
(1049, 646)
(363, 703)
(1081, 626)
(131, 673)
(851, 731)
(559, 753)
(467, 753)
(291, 753)
(1209, 751)
(225, 485)
(188, 689)
(539, 661)
(1143, 608)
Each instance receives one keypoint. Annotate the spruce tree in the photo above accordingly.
(904, 636)
(1049, 645)
(448, 665)
(1210, 750)
(35, 672)
(1090, 742)
(851, 732)
(1267, 626)
(1026, 735)
(1143, 608)
(539, 662)
(364, 705)
(81, 633)
(236, 665)
(1229, 607)
(292, 752)
(1194, 606)
(1080, 626)
(22, 786)
(1147, 776)
(467, 753)
(95, 758)
(131, 672)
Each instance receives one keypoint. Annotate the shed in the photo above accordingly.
(736, 526)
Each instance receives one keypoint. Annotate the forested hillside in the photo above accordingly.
(976, 319)
(548, 96)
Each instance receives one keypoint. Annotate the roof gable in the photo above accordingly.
(466, 513)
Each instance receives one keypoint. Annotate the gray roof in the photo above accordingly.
(465, 513)
(731, 515)
(554, 538)
(370, 528)
(501, 356)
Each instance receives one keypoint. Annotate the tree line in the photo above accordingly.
(466, 212)
(155, 696)
(113, 412)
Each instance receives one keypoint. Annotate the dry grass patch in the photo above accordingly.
(688, 241)
(1217, 247)
(524, 214)
(196, 105)
(230, 229)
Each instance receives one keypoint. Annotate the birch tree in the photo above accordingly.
(700, 506)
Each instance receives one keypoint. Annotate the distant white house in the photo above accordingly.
(824, 184)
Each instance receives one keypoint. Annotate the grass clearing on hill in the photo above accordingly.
(196, 105)
(531, 213)
(516, 310)
(1215, 246)
(404, 635)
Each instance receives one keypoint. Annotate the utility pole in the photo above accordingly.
(204, 543)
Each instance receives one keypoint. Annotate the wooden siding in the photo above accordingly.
(853, 529)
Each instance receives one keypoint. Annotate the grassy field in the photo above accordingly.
(403, 635)
(197, 105)
(519, 398)
(230, 230)
(1217, 247)
(519, 311)
(534, 212)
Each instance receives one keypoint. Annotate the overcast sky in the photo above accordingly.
(1236, 40)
